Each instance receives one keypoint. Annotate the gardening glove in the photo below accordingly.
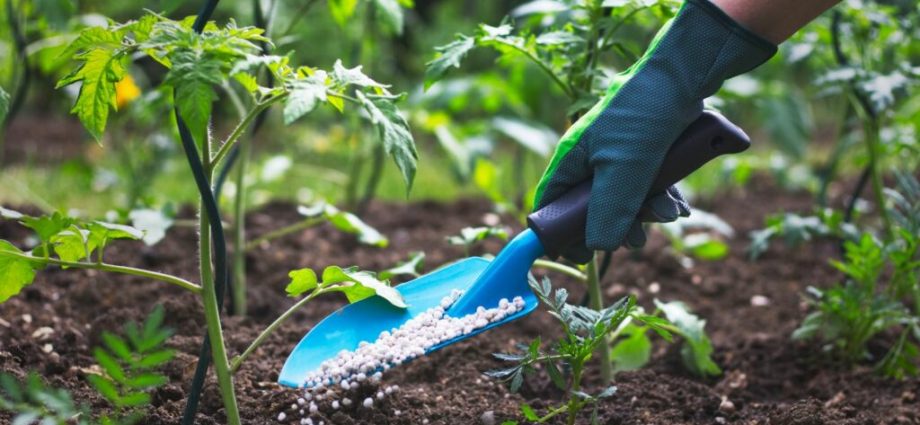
(622, 140)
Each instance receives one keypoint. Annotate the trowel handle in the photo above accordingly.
(562, 223)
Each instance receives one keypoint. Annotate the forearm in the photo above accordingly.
(775, 20)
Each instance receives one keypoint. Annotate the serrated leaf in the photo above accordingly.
(344, 76)
(350, 223)
(48, 225)
(100, 70)
(449, 56)
(302, 280)
(194, 100)
(342, 10)
(304, 96)
(393, 131)
(15, 273)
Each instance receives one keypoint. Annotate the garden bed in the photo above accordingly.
(767, 377)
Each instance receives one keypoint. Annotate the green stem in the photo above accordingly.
(553, 413)
(239, 231)
(241, 129)
(546, 69)
(284, 231)
(596, 302)
(212, 311)
(111, 268)
(574, 406)
(561, 268)
(238, 360)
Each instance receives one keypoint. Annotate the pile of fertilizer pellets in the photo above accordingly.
(328, 388)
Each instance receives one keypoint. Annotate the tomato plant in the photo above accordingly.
(199, 56)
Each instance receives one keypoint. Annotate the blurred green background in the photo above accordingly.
(486, 129)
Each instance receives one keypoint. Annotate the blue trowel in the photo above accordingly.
(483, 283)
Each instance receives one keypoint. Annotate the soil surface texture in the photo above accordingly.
(751, 309)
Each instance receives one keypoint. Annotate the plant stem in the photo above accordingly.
(546, 69)
(239, 234)
(241, 128)
(561, 268)
(162, 277)
(212, 310)
(574, 406)
(597, 303)
(286, 230)
(238, 360)
(553, 413)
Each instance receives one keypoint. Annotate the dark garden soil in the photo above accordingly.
(768, 379)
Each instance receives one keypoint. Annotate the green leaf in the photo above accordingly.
(697, 350)
(100, 70)
(354, 76)
(342, 10)
(390, 12)
(412, 267)
(304, 95)
(194, 100)
(555, 375)
(72, 244)
(470, 235)
(705, 247)
(109, 364)
(100, 230)
(135, 399)
(358, 285)
(529, 413)
(302, 280)
(350, 223)
(106, 388)
(117, 345)
(633, 352)
(15, 273)
(449, 56)
(48, 225)
(393, 131)
(156, 358)
(147, 380)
